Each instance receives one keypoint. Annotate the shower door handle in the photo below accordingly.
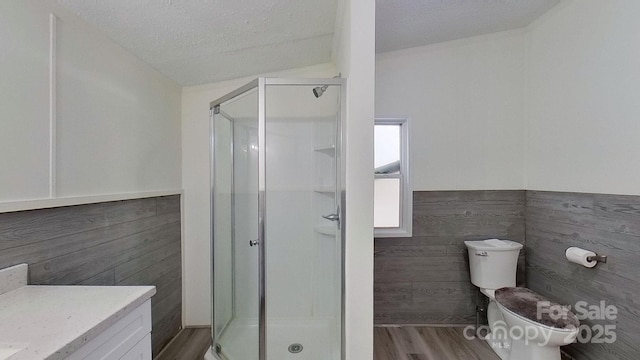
(332, 217)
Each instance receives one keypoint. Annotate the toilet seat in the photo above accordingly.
(535, 323)
(523, 303)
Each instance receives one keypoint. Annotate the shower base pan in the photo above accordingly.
(300, 339)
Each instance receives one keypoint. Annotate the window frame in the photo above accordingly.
(406, 194)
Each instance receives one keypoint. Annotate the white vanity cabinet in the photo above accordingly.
(73, 322)
(128, 339)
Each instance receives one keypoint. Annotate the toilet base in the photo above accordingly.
(498, 338)
(502, 352)
(520, 350)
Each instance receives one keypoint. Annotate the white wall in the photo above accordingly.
(464, 99)
(354, 50)
(549, 107)
(195, 182)
(24, 104)
(116, 120)
(583, 98)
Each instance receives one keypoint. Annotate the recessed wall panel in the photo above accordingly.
(118, 122)
(24, 101)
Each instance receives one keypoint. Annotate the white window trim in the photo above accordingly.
(406, 193)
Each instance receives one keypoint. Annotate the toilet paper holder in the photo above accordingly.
(598, 258)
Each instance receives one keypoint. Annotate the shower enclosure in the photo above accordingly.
(277, 221)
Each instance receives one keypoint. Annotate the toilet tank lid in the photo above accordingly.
(493, 245)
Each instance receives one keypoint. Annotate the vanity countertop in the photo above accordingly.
(51, 322)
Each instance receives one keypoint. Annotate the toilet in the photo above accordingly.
(524, 325)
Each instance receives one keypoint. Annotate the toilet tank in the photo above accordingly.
(493, 262)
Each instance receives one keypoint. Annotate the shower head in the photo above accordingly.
(318, 91)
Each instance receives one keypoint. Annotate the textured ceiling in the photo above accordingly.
(200, 41)
(403, 24)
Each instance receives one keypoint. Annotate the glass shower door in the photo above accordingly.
(235, 227)
(277, 193)
(303, 237)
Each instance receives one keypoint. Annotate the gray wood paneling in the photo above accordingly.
(606, 224)
(58, 246)
(131, 242)
(425, 279)
(79, 265)
(24, 227)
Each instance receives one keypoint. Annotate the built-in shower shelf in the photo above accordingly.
(326, 149)
(327, 230)
(328, 190)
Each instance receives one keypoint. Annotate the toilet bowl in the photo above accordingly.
(537, 326)
(523, 325)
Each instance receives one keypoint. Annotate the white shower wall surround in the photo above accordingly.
(291, 221)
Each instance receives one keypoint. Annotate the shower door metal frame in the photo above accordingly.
(261, 84)
(216, 111)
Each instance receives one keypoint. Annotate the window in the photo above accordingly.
(392, 192)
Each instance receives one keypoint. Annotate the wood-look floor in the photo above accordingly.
(189, 344)
(428, 343)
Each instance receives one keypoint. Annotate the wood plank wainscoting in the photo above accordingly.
(608, 225)
(130, 242)
(425, 279)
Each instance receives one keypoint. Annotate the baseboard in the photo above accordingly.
(178, 334)
(168, 344)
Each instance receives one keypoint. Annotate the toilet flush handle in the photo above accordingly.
(482, 253)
